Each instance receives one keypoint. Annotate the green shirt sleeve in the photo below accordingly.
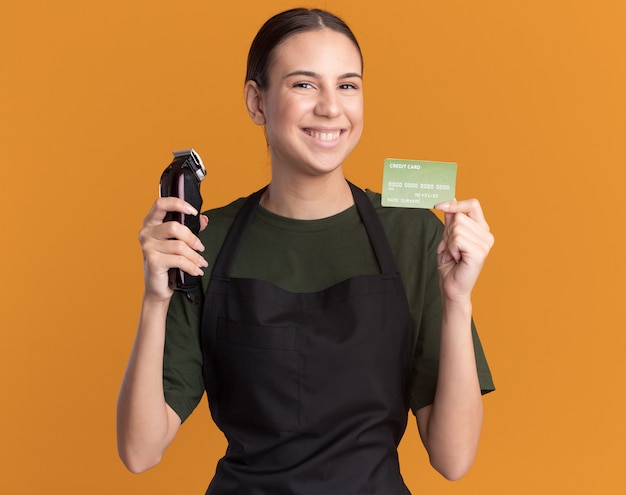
(183, 383)
(414, 235)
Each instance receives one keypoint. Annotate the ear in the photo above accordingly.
(254, 102)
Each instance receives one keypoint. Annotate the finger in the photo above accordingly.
(443, 255)
(175, 230)
(167, 204)
(448, 218)
(462, 234)
(204, 221)
(173, 253)
(467, 240)
(181, 250)
(451, 223)
(470, 207)
(461, 224)
(169, 231)
(160, 262)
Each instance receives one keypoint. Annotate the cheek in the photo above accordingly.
(281, 112)
(355, 112)
(354, 106)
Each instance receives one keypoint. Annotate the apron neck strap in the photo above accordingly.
(367, 212)
(375, 231)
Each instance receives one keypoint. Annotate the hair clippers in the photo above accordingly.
(182, 179)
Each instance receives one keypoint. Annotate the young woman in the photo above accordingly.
(324, 316)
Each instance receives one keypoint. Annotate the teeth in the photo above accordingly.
(323, 136)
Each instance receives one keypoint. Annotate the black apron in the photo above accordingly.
(310, 389)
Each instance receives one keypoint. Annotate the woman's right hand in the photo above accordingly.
(169, 245)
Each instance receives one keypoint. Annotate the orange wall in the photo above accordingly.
(527, 97)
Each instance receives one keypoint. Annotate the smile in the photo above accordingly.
(323, 136)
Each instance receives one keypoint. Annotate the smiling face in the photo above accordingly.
(312, 108)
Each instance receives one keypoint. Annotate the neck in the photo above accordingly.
(308, 199)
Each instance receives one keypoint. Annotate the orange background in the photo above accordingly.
(527, 97)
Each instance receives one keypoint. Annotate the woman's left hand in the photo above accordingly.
(465, 245)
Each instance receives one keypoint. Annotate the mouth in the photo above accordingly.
(326, 136)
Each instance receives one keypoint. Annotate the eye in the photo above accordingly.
(303, 85)
(348, 86)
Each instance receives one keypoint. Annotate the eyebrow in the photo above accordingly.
(309, 73)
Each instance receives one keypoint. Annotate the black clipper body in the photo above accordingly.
(182, 179)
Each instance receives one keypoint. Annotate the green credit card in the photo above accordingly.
(417, 183)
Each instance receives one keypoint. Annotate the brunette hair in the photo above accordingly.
(279, 27)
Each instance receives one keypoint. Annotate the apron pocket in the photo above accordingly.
(258, 376)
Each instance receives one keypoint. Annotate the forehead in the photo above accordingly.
(318, 49)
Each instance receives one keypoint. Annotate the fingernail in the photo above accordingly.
(443, 206)
(199, 246)
(190, 210)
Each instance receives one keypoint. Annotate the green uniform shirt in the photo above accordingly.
(308, 256)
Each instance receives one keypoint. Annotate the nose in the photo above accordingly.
(328, 104)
